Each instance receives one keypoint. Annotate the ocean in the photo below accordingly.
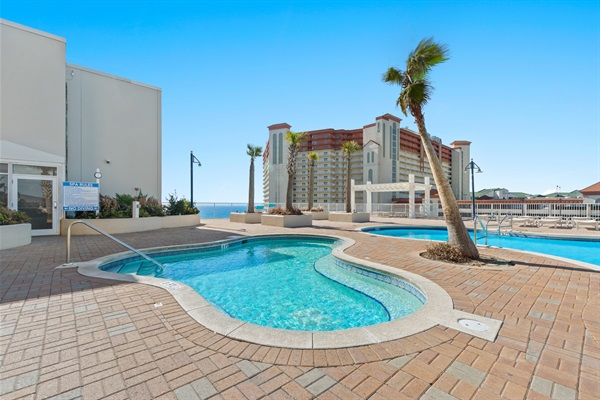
(222, 210)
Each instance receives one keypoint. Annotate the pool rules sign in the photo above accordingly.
(81, 196)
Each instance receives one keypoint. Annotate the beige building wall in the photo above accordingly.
(32, 94)
(114, 124)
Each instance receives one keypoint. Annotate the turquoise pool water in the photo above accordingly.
(291, 284)
(581, 250)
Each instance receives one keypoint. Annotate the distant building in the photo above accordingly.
(60, 122)
(389, 154)
(592, 192)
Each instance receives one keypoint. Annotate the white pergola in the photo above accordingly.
(409, 187)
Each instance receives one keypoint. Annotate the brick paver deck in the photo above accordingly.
(66, 336)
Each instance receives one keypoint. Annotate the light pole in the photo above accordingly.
(472, 167)
(559, 201)
(193, 160)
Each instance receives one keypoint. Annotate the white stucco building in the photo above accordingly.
(389, 155)
(60, 122)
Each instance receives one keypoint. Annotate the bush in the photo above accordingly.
(445, 252)
(283, 211)
(13, 217)
(121, 206)
(178, 206)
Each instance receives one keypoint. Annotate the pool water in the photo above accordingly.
(289, 284)
(587, 251)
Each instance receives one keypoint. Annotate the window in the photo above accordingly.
(372, 156)
(378, 126)
(280, 148)
(370, 176)
(274, 146)
(368, 158)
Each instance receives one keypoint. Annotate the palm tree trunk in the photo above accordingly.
(457, 232)
(348, 204)
(251, 188)
(289, 193)
(311, 185)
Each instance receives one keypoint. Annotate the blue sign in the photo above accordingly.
(81, 196)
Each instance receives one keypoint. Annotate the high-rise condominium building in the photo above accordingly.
(389, 154)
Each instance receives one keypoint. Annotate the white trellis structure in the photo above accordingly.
(409, 187)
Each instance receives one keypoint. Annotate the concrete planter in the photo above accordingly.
(286, 221)
(245, 218)
(318, 215)
(128, 225)
(14, 235)
(349, 217)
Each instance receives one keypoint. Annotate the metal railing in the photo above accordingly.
(565, 210)
(159, 265)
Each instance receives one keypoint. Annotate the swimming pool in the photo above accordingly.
(286, 283)
(587, 251)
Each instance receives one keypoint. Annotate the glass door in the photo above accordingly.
(36, 196)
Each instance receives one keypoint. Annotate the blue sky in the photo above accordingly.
(522, 83)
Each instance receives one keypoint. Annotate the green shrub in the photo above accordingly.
(284, 211)
(178, 206)
(13, 217)
(445, 252)
(121, 206)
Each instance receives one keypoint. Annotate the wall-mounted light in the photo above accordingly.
(108, 161)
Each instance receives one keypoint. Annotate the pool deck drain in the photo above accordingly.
(66, 335)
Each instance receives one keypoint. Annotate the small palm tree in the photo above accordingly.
(253, 152)
(295, 139)
(312, 159)
(349, 148)
(415, 92)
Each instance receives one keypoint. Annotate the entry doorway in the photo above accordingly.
(37, 197)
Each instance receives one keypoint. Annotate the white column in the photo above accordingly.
(352, 196)
(369, 199)
(427, 199)
(411, 196)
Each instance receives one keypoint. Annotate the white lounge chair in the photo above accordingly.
(548, 220)
(524, 221)
(586, 222)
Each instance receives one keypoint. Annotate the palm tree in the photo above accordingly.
(415, 92)
(295, 139)
(348, 148)
(312, 159)
(253, 152)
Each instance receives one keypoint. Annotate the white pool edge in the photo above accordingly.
(438, 309)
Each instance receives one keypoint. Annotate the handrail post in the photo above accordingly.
(108, 236)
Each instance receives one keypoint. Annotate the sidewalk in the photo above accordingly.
(66, 336)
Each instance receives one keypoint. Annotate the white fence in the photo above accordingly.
(568, 210)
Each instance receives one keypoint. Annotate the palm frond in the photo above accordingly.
(426, 55)
(393, 76)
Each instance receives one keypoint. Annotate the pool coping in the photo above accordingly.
(578, 263)
(438, 309)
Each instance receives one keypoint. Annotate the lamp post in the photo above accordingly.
(559, 201)
(472, 167)
(193, 160)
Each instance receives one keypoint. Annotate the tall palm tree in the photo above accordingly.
(253, 152)
(415, 92)
(294, 139)
(348, 148)
(312, 159)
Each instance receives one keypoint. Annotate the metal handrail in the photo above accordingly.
(483, 228)
(501, 221)
(159, 265)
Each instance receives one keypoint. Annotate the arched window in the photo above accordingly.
(368, 158)
(280, 148)
(372, 156)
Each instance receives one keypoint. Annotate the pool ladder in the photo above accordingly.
(160, 267)
(485, 227)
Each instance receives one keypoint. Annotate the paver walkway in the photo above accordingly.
(66, 336)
